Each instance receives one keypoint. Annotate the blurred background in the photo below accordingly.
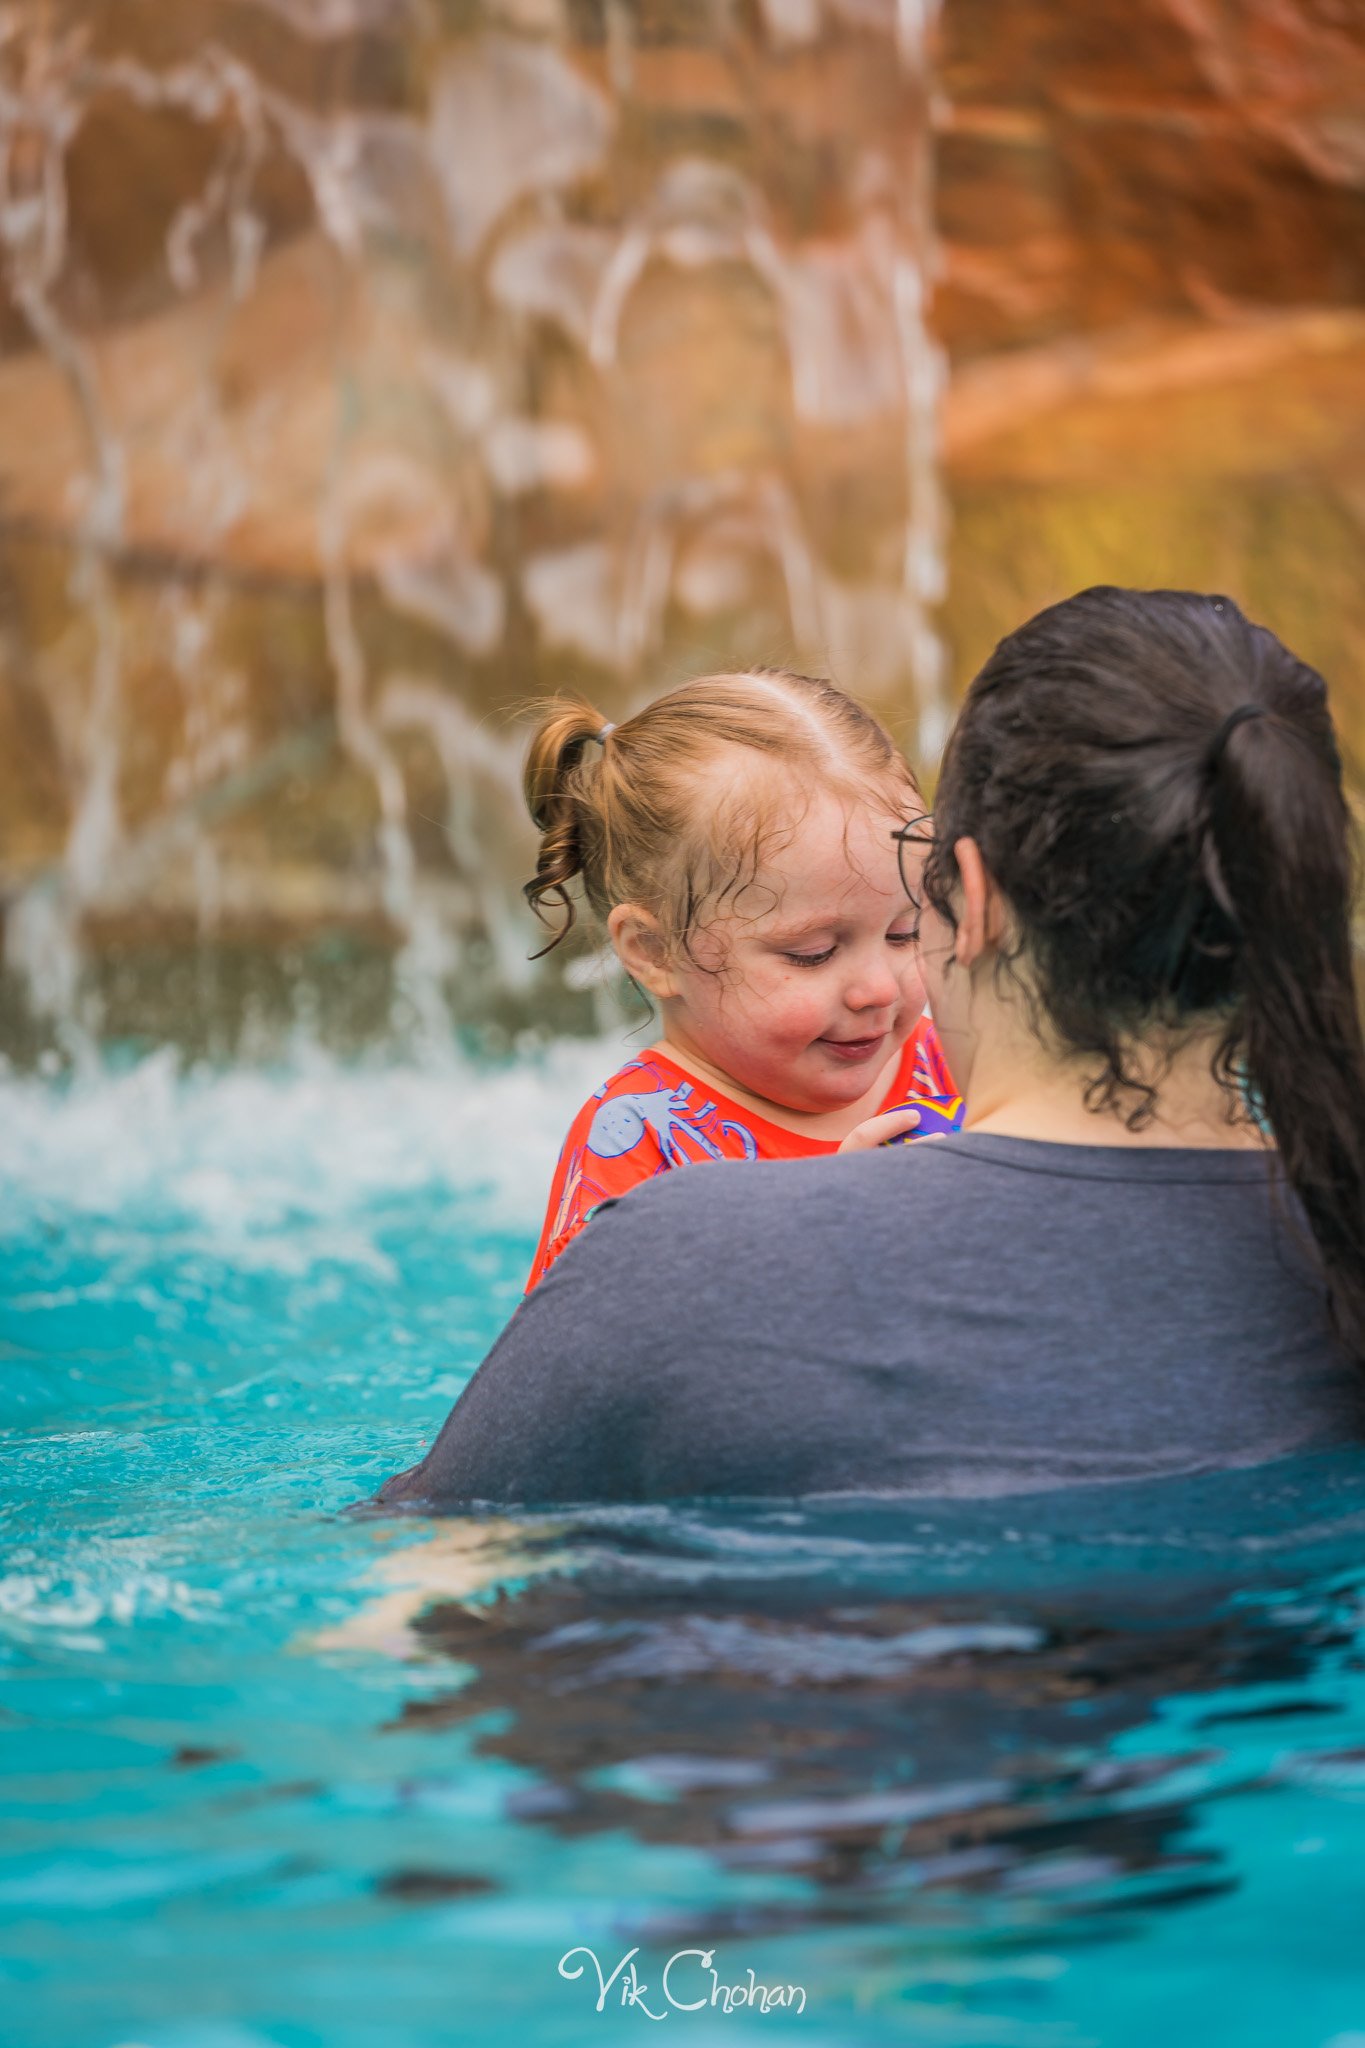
(369, 367)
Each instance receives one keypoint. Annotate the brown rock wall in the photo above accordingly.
(1103, 164)
(1153, 296)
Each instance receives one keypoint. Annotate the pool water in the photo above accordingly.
(1078, 1769)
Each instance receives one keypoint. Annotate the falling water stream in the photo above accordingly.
(366, 374)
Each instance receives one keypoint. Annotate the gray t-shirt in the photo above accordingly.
(973, 1315)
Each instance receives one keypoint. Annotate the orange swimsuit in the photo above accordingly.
(653, 1115)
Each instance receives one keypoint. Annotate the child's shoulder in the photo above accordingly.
(644, 1074)
(637, 1094)
(652, 1110)
(642, 1084)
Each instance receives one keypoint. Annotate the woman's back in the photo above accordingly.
(977, 1315)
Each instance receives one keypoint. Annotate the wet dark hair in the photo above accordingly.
(1172, 865)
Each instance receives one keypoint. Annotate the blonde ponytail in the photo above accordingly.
(553, 782)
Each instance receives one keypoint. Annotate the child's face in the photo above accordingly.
(806, 986)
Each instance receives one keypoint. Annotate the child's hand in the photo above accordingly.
(880, 1130)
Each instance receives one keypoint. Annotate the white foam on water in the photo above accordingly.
(90, 1586)
(49, 1600)
(241, 1156)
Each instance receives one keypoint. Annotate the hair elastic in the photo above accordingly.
(1220, 739)
(601, 737)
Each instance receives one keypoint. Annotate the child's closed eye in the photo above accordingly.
(810, 959)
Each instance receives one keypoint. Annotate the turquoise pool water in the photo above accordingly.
(1080, 1770)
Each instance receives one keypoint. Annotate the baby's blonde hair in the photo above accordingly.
(642, 812)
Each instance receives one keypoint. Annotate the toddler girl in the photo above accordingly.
(737, 839)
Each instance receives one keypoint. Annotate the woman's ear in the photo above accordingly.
(638, 941)
(981, 920)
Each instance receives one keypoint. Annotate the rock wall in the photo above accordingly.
(370, 366)
(1153, 294)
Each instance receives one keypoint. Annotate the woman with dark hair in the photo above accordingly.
(1145, 1251)
(1141, 820)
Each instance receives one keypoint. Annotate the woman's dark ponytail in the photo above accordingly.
(1281, 839)
(555, 784)
(1155, 784)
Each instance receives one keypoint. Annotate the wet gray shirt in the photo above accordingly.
(973, 1315)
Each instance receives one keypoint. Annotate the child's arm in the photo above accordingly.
(610, 1149)
(575, 1200)
(562, 1220)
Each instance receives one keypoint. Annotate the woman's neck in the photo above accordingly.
(1017, 1088)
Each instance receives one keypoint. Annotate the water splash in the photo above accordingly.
(255, 1163)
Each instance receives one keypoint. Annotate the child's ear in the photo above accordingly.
(638, 940)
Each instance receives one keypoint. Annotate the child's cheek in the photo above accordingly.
(799, 1013)
(913, 994)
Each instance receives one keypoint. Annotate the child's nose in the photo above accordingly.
(875, 988)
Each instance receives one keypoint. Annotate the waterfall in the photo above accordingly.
(363, 377)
